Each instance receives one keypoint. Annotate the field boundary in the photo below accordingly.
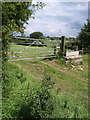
(42, 50)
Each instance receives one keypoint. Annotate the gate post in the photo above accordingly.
(62, 44)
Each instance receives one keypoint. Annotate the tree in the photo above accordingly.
(84, 35)
(36, 35)
(14, 15)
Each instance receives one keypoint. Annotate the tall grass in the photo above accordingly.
(25, 97)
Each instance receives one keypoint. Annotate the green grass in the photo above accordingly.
(74, 79)
(71, 85)
(16, 84)
(73, 82)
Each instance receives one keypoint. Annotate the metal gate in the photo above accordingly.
(34, 49)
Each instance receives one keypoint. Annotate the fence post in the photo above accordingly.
(62, 44)
(55, 50)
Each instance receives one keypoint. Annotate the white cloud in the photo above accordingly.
(58, 19)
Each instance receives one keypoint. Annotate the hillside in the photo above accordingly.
(70, 85)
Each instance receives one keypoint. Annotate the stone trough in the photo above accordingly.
(73, 56)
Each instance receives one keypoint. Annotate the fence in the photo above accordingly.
(34, 49)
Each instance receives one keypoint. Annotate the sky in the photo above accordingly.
(59, 19)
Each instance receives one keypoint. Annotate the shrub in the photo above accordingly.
(72, 45)
(40, 103)
(60, 54)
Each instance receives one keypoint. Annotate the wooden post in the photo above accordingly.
(62, 44)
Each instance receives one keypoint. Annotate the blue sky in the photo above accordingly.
(59, 18)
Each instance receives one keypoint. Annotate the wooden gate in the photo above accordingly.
(34, 49)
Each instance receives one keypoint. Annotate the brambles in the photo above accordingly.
(39, 103)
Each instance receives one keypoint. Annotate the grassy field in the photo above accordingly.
(21, 51)
(71, 79)
(70, 88)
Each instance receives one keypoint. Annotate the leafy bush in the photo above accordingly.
(60, 54)
(39, 104)
(72, 45)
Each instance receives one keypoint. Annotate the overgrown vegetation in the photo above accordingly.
(45, 89)
(84, 36)
(72, 45)
(22, 101)
(27, 93)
